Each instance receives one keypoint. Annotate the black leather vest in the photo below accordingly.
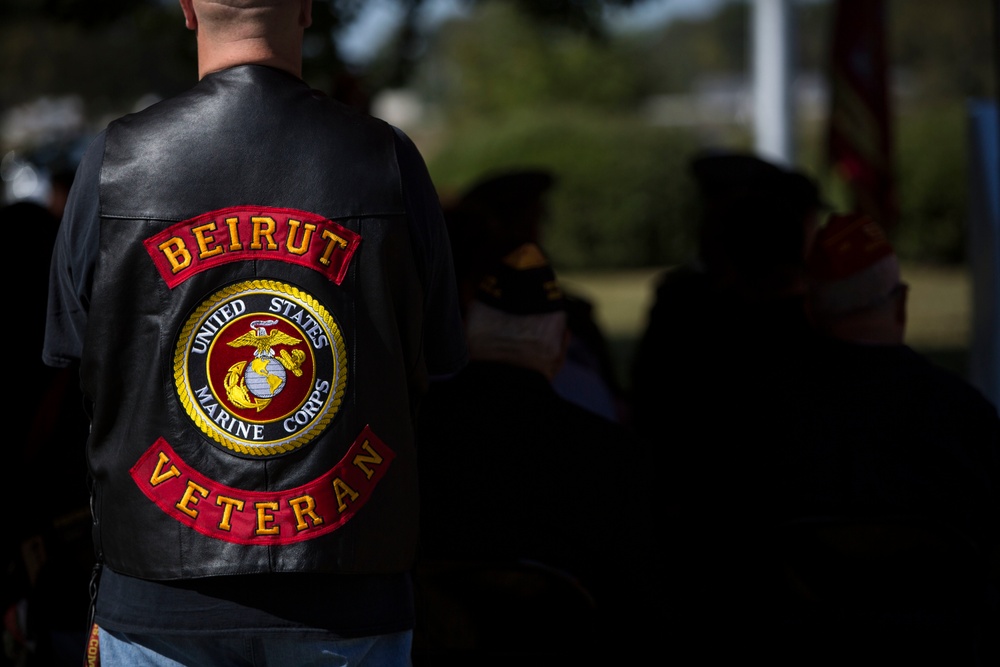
(253, 352)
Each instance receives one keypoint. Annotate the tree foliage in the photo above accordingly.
(110, 63)
(486, 68)
(948, 52)
(507, 60)
(931, 171)
(499, 60)
(516, 92)
(618, 200)
(113, 47)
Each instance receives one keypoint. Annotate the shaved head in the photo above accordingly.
(256, 16)
(230, 32)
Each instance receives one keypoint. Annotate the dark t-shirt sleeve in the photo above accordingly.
(444, 337)
(72, 269)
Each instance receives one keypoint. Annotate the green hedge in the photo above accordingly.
(932, 185)
(623, 196)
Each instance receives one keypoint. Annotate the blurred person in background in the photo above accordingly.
(740, 301)
(719, 336)
(861, 427)
(510, 470)
(887, 430)
(845, 421)
(47, 550)
(493, 216)
(257, 284)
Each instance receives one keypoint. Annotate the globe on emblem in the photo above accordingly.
(265, 377)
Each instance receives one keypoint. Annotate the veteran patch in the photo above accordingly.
(315, 508)
(260, 368)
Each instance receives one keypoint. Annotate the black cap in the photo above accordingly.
(723, 174)
(510, 191)
(522, 283)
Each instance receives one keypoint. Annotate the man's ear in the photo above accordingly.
(190, 20)
(306, 15)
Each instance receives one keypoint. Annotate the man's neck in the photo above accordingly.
(213, 58)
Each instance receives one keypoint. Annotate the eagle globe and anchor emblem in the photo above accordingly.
(253, 385)
(260, 367)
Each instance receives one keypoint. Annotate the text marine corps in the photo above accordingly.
(260, 367)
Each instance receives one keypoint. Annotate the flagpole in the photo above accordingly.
(773, 103)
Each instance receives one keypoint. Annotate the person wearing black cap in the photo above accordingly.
(719, 330)
(497, 213)
(511, 471)
(513, 206)
(744, 289)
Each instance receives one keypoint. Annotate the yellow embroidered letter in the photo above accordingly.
(304, 506)
(187, 503)
(341, 489)
(334, 242)
(293, 231)
(227, 512)
(360, 460)
(175, 252)
(263, 518)
(158, 474)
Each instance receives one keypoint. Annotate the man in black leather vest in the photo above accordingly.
(257, 284)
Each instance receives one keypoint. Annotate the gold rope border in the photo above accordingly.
(181, 356)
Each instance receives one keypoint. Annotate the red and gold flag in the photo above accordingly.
(860, 133)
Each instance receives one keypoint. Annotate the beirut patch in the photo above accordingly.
(241, 233)
(260, 368)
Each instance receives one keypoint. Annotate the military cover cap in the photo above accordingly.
(509, 191)
(852, 264)
(522, 283)
(722, 174)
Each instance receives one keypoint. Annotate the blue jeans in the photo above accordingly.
(119, 649)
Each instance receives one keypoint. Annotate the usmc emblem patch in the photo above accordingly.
(260, 368)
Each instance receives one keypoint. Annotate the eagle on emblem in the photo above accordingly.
(254, 385)
(265, 342)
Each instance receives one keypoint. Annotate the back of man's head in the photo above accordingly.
(762, 235)
(237, 32)
(757, 221)
(241, 14)
(854, 288)
(509, 206)
(518, 315)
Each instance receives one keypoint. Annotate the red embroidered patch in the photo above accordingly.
(260, 368)
(244, 233)
(263, 517)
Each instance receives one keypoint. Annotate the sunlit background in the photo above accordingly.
(613, 97)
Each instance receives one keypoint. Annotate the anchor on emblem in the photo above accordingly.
(254, 384)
